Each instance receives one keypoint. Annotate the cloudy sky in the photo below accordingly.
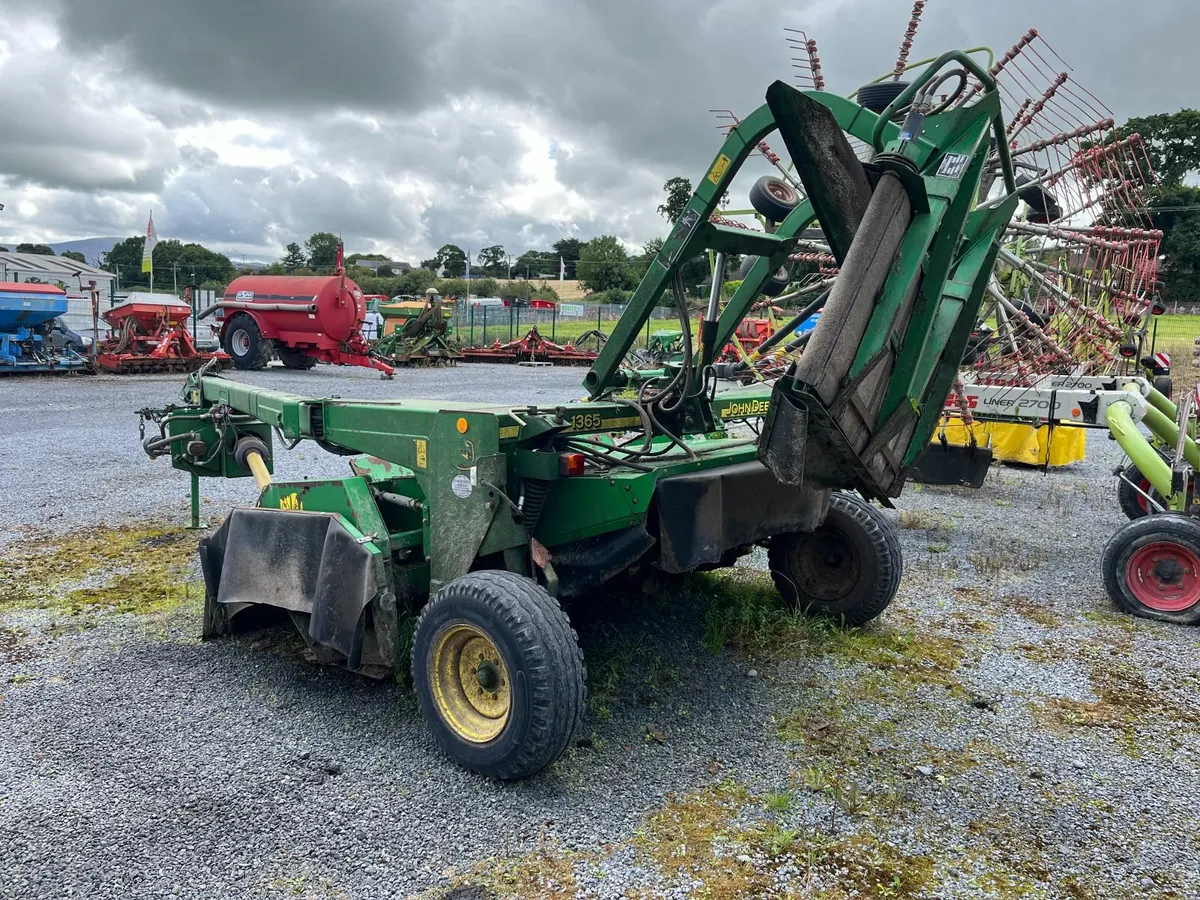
(406, 125)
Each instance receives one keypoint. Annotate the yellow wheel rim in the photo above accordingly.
(470, 683)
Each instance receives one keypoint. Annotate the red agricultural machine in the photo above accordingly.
(302, 320)
(151, 336)
(533, 349)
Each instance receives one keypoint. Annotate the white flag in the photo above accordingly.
(562, 269)
(151, 243)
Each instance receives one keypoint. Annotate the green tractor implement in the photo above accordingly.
(417, 333)
(463, 526)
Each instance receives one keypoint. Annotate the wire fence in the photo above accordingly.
(1175, 333)
(478, 325)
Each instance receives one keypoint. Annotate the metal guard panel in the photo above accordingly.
(703, 514)
(303, 562)
(954, 465)
(802, 443)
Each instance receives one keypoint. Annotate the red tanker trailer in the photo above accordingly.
(301, 319)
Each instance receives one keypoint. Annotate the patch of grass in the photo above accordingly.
(693, 838)
(1125, 701)
(998, 554)
(1027, 608)
(744, 613)
(879, 870)
(549, 872)
(136, 569)
(778, 840)
(924, 520)
(779, 801)
(965, 622)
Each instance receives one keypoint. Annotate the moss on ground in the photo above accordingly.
(744, 613)
(132, 568)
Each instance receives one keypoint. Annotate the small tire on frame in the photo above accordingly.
(773, 198)
(773, 286)
(534, 644)
(1133, 503)
(1151, 568)
(878, 97)
(848, 569)
(1162, 384)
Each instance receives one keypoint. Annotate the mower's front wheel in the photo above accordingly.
(1152, 568)
(848, 569)
(498, 674)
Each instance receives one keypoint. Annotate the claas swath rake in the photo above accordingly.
(478, 518)
(151, 337)
(1061, 332)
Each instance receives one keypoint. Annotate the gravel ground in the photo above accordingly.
(999, 732)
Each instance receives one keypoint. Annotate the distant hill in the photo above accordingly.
(91, 248)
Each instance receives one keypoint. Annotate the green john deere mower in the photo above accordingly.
(479, 518)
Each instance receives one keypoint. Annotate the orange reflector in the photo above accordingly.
(462, 426)
(570, 464)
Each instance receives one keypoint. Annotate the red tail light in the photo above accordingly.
(570, 464)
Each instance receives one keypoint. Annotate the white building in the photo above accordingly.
(69, 274)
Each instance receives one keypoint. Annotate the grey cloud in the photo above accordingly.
(627, 84)
(268, 53)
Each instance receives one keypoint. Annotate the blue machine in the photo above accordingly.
(808, 324)
(31, 337)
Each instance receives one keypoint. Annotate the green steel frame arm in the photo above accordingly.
(878, 137)
(693, 234)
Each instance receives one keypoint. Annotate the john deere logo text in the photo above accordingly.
(745, 408)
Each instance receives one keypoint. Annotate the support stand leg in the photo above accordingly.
(196, 524)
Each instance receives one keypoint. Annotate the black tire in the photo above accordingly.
(777, 283)
(1152, 568)
(878, 97)
(1163, 385)
(295, 359)
(1033, 315)
(244, 343)
(537, 647)
(1132, 503)
(773, 198)
(773, 286)
(848, 569)
(1042, 204)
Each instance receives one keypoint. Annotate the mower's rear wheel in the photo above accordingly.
(1131, 484)
(244, 343)
(848, 568)
(295, 359)
(498, 674)
(1152, 568)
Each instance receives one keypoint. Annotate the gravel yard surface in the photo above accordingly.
(999, 732)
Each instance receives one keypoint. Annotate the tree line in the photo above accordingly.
(602, 265)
